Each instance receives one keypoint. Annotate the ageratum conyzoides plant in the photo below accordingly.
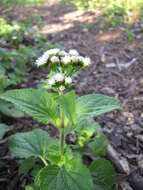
(54, 163)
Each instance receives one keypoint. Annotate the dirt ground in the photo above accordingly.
(116, 70)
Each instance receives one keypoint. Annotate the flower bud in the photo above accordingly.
(61, 88)
(55, 59)
(68, 80)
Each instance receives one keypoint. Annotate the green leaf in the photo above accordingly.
(32, 187)
(94, 105)
(85, 131)
(35, 143)
(37, 103)
(75, 177)
(26, 165)
(99, 145)
(3, 130)
(103, 174)
(68, 105)
(10, 110)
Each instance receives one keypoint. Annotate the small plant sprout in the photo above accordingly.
(56, 164)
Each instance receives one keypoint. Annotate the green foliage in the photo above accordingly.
(130, 35)
(45, 109)
(85, 131)
(114, 12)
(68, 105)
(37, 103)
(31, 187)
(19, 48)
(94, 105)
(73, 177)
(53, 164)
(99, 145)
(26, 165)
(36, 143)
(9, 3)
(103, 174)
(3, 130)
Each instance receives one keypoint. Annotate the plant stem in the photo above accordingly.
(43, 160)
(62, 135)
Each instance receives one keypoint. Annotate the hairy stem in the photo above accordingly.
(62, 135)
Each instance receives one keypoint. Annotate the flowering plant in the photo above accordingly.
(62, 65)
(55, 163)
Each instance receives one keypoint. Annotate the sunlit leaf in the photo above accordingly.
(37, 103)
(94, 105)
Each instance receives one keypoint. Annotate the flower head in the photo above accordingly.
(63, 53)
(42, 60)
(62, 88)
(51, 81)
(55, 59)
(54, 51)
(66, 60)
(68, 80)
(80, 58)
(73, 52)
(86, 61)
(58, 77)
(74, 59)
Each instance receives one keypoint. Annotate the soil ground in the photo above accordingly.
(116, 70)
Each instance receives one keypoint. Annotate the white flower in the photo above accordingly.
(73, 52)
(55, 59)
(80, 58)
(68, 80)
(62, 88)
(63, 53)
(51, 81)
(54, 51)
(86, 61)
(74, 59)
(58, 77)
(42, 60)
(66, 60)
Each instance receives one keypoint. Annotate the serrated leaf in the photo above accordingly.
(3, 130)
(26, 165)
(37, 103)
(94, 105)
(68, 105)
(103, 174)
(99, 145)
(75, 177)
(34, 143)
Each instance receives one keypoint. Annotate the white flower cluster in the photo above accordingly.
(61, 56)
(59, 77)
(44, 58)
